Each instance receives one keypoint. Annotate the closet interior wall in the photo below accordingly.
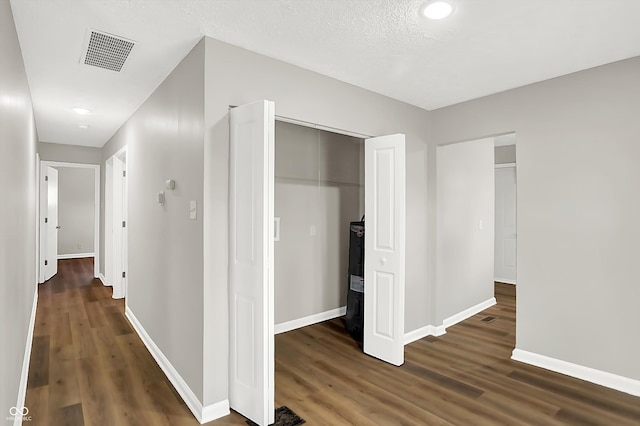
(319, 189)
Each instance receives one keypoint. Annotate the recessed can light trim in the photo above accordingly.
(437, 10)
(81, 111)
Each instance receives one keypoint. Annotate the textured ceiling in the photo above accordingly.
(485, 47)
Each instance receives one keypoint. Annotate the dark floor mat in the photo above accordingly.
(284, 417)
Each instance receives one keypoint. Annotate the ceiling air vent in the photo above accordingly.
(106, 51)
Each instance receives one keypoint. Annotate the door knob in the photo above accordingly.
(58, 227)
(383, 260)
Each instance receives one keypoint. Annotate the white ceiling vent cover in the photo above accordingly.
(106, 51)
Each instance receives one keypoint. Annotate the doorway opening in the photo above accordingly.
(505, 267)
(115, 224)
(69, 217)
(319, 190)
(476, 225)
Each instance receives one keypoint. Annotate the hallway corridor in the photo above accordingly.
(88, 366)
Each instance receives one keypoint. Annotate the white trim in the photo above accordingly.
(422, 332)
(469, 312)
(96, 224)
(114, 212)
(37, 224)
(599, 377)
(77, 256)
(96, 211)
(283, 327)
(321, 127)
(103, 279)
(439, 330)
(215, 411)
(67, 164)
(505, 141)
(504, 280)
(202, 414)
(418, 334)
(22, 389)
(505, 165)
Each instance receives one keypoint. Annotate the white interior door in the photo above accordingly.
(118, 236)
(251, 226)
(384, 264)
(51, 259)
(125, 231)
(505, 269)
(108, 223)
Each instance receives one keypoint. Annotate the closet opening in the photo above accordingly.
(319, 191)
(314, 174)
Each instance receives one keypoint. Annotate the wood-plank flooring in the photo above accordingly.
(465, 377)
(88, 366)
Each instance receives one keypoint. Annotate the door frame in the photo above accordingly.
(41, 187)
(114, 211)
(320, 127)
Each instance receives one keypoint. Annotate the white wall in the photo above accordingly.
(578, 210)
(235, 76)
(318, 191)
(18, 142)
(69, 153)
(164, 140)
(465, 226)
(76, 197)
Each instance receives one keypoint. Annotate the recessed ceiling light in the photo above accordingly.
(81, 111)
(437, 9)
(83, 126)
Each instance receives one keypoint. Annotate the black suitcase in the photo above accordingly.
(355, 295)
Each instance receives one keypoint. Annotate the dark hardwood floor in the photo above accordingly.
(88, 366)
(465, 377)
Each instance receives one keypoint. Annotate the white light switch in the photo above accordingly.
(193, 210)
(480, 224)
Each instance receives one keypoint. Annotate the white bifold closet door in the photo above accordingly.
(384, 262)
(251, 288)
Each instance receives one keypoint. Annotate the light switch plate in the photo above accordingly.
(193, 210)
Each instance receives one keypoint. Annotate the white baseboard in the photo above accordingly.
(420, 333)
(22, 389)
(613, 381)
(439, 330)
(469, 312)
(75, 255)
(504, 280)
(202, 414)
(310, 320)
(102, 278)
(215, 411)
